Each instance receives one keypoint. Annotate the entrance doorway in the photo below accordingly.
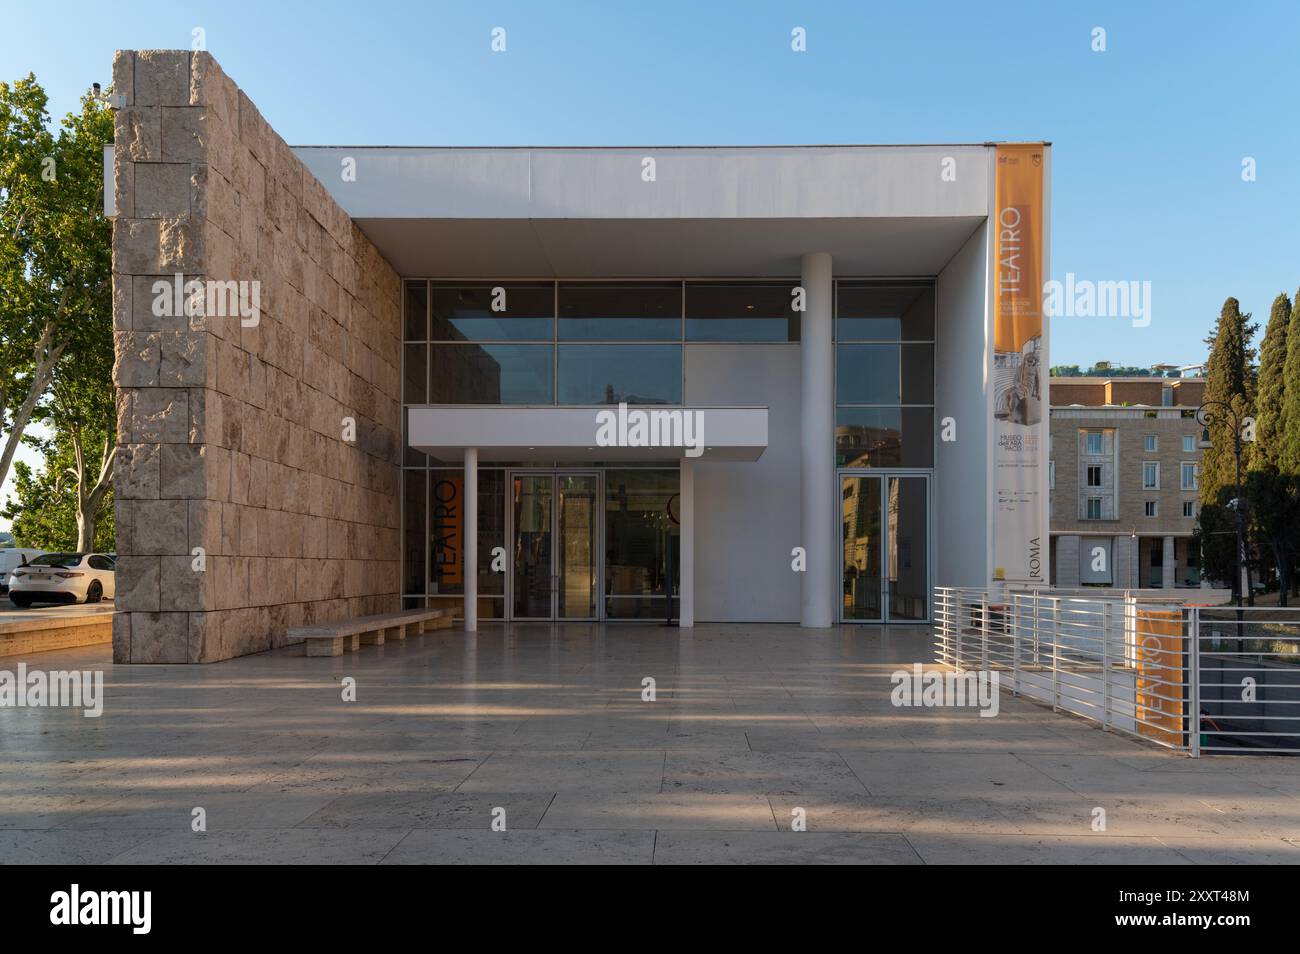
(554, 528)
(884, 547)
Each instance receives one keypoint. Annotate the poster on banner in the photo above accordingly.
(1020, 387)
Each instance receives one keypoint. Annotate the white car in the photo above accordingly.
(11, 558)
(63, 578)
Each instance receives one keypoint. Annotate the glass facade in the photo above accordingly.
(884, 374)
(570, 342)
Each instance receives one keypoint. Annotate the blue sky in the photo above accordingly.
(1148, 136)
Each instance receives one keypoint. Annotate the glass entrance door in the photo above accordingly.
(554, 571)
(885, 547)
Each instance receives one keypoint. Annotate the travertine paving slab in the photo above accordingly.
(450, 847)
(783, 848)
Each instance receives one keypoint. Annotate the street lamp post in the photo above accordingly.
(1208, 415)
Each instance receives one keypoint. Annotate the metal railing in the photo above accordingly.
(1186, 677)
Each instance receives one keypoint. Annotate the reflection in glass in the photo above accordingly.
(884, 312)
(491, 374)
(414, 511)
(860, 528)
(740, 311)
(906, 547)
(532, 498)
(415, 374)
(884, 436)
(608, 374)
(620, 312)
(884, 374)
(416, 321)
(502, 312)
(446, 531)
(640, 515)
(577, 551)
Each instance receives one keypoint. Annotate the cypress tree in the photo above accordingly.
(1288, 456)
(1230, 379)
(1270, 420)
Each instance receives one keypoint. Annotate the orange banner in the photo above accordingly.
(1018, 273)
(1020, 531)
(1158, 635)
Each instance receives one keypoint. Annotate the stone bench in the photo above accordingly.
(330, 639)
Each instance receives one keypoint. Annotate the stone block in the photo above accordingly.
(137, 356)
(136, 246)
(159, 637)
(184, 359)
(184, 470)
(137, 472)
(180, 244)
(162, 189)
(137, 134)
(162, 78)
(183, 134)
(137, 581)
(182, 588)
(124, 76)
(159, 415)
(121, 637)
(160, 527)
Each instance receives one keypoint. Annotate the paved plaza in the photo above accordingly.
(544, 729)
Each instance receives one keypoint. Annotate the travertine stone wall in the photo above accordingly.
(242, 507)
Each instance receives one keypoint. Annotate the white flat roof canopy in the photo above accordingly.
(708, 211)
(574, 433)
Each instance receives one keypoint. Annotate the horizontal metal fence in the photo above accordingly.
(1186, 677)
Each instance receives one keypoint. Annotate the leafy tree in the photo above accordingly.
(55, 249)
(1230, 380)
(1288, 455)
(44, 508)
(1274, 515)
(1270, 420)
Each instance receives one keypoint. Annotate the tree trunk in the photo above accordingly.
(90, 500)
(46, 356)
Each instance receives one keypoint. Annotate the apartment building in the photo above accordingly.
(1124, 477)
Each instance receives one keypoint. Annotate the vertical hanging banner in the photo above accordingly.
(1020, 401)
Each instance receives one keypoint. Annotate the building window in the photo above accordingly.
(1093, 444)
(504, 312)
(1150, 475)
(1051, 475)
(1189, 444)
(741, 311)
(1189, 508)
(870, 311)
(610, 373)
(1093, 511)
(1094, 475)
(620, 312)
(466, 373)
(1151, 508)
(884, 437)
(1150, 443)
(884, 374)
(1190, 473)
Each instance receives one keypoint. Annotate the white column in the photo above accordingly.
(817, 443)
(686, 513)
(469, 562)
(1168, 567)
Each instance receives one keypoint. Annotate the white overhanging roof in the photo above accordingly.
(574, 434)
(709, 211)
